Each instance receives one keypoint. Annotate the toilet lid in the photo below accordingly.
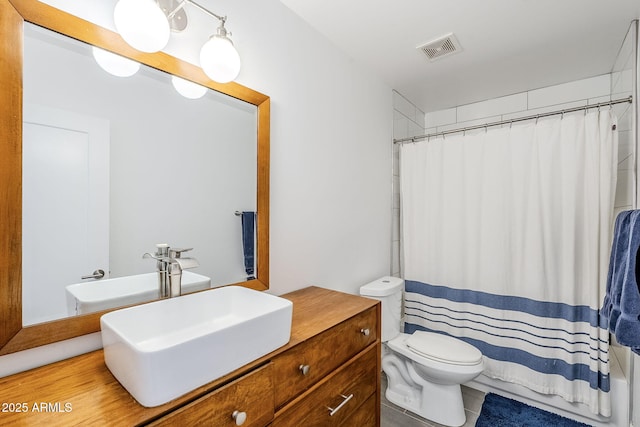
(443, 348)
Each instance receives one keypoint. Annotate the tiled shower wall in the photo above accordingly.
(408, 120)
(624, 80)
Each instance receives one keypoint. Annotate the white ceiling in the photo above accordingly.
(509, 46)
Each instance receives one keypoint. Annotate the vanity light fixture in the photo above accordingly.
(115, 64)
(188, 89)
(146, 25)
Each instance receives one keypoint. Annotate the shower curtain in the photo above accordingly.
(506, 236)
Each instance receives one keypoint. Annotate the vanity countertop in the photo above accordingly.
(82, 391)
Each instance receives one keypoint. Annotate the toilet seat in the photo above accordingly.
(443, 348)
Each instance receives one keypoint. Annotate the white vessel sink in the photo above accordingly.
(164, 349)
(89, 297)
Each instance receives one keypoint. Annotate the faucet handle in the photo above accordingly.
(156, 257)
(177, 252)
(162, 252)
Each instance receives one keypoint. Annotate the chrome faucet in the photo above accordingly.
(170, 263)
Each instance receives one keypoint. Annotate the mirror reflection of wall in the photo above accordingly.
(175, 170)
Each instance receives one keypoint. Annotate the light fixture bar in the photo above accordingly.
(207, 11)
(180, 6)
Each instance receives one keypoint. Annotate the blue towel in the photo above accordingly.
(248, 239)
(621, 306)
(617, 265)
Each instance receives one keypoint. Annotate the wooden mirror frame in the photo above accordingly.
(13, 13)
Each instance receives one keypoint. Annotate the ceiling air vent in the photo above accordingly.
(441, 47)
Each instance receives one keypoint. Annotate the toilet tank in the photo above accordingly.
(389, 291)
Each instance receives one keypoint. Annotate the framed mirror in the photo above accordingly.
(23, 20)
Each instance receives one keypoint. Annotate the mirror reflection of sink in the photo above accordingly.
(88, 297)
(164, 349)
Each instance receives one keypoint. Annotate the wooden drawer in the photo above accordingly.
(251, 394)
(342, 393)
(322, 354)
(365, 416)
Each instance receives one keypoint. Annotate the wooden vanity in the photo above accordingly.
(327, 375)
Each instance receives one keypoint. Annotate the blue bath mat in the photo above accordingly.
(498, 411)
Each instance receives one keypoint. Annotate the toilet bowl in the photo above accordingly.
(424, 369)
(443, 360)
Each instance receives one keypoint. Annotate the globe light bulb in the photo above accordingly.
(142, 24)
(219, 59)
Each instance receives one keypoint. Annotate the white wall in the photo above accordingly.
(331, 132)
(330, 155)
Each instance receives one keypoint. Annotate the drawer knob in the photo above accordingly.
(365, 332)
(239, 417)
(304, 369)
(332, 411)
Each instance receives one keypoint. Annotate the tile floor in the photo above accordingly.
(394, 416)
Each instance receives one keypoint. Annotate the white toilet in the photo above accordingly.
(424, 369)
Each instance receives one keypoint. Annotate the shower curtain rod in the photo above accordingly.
(520, 119)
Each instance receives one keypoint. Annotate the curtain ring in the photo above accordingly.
(511, 124)
(537, 117)
(562, 115)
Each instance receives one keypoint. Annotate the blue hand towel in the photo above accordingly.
(248, 239)
(621, 306)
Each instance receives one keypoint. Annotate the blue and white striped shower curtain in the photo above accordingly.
(505, 239)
